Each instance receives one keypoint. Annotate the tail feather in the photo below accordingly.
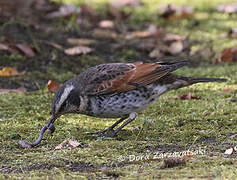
(200, 80)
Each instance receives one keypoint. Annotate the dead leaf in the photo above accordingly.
(88, 11)
(228, 90)
(227, 8)
(3, 47)
(147, 44)
(18, 90)
(156, 53)
(185, 97)
(52, 86)
(188, 96)
(60, 146)
(173, 162)
(9, 71)
(68, 144)
(81, 41)
(106, 24)
(175, 12)
(232, 33)
(117, 14)
(27, 50)
(55, 45)
(152, 30)
(8, 45)
(230, 151)
(105, 33)
(175, 47)
(14, 48)
(122, 3)
(77, 50)
(64, 11)
(173, 37)
(74, 143)
(228, 55)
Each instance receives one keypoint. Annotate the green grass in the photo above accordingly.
(212, 117)
(167, 126)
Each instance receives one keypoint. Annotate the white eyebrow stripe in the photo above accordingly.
(64, 96)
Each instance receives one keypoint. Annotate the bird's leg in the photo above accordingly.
(48, 126)
(132, 117)
(111, 128)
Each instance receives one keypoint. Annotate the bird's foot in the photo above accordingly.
(101, 133)
(111, 135)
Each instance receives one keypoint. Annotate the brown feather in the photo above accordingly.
(120, 77)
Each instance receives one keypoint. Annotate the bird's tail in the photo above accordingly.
(190, 80)
(180, 82)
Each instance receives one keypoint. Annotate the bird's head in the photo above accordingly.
(66, 100)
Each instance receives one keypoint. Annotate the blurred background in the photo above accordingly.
(42, 40)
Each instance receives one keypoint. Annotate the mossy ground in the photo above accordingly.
(167, 126)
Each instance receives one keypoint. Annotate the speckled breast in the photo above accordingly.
(121, 104)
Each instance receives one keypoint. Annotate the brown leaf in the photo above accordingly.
(81, 41)
(18, 90)
(228, 90)
(64, 11)
(230, 151)
(60, 146)
(8, 45)
(122, 3)
(3, 47)
(173, 37)
(228, 55)
(105, 33)
(14, 48)
(9, 71)
(55, 45)
(173, 162)
(185, 97)
(156, 53)
(27, 50)
(88, 11)
(152, 30)
(188, 96)
(232, 33)
(106, 24)
(174, 12)
(227, 8)
(52, 86)
(175, 47)
(74, 143)
(77, 50)
(68, 144)
(147, 44)
(117, 14)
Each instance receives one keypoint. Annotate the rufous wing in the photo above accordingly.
(137, 74)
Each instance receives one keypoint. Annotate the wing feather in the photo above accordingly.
(120, 77)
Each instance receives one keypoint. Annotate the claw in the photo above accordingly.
(101, 133)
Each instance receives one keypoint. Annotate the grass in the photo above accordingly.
(206, 124)
(167, 126)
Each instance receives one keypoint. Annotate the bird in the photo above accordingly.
(116, 90)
